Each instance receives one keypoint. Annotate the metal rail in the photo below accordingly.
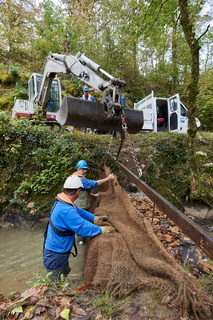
(196, 233)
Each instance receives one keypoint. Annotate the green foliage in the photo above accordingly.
(108, 303)
(72, 88)
(6, 102)
(49, 28)
(167, 170)
(20, 91)
(145, 48)
(171, 153)
(14, 72)
(207, 282)
(205, 101)
(6, 79)
(38, 280)
(36, 160)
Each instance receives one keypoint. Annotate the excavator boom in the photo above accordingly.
(105, 115)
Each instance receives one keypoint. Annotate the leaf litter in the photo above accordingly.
(73, 302)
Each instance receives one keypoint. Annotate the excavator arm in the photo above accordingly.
(82, 113)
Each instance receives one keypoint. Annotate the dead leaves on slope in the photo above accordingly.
(177, 244)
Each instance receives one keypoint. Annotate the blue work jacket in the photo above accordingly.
(66, 216)
(87, 183)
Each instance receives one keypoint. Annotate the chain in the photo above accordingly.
(126, 134)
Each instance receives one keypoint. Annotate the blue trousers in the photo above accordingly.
(57, 265)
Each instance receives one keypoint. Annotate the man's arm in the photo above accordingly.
(110, 177)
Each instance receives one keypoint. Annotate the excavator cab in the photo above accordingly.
(27, 108)
(54, 98)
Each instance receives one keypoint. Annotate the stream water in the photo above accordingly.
(21, 259)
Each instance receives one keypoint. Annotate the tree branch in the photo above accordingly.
(159, 11)
(203, 32)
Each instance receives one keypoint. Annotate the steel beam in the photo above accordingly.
(195, 232)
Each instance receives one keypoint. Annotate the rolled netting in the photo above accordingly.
(133, 258)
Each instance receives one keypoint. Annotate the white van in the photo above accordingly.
(164, 114)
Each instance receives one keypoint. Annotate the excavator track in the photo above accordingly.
(82, 113)
(195, 232)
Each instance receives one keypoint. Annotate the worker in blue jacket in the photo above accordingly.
(67, 219)
(84, 199)
(86, 95)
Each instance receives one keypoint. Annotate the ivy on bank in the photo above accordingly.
(35, 160)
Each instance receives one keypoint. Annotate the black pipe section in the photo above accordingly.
(82, 113)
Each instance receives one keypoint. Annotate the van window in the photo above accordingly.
(173, 104)
(183, 111)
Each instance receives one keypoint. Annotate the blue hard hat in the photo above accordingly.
(82, 164)
(85, 88)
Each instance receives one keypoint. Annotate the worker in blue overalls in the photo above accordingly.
(84, 199)
(67, 219)
(87, 96)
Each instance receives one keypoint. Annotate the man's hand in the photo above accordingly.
(107, 229)
(111, 176)
(100, 219)
(94, 194)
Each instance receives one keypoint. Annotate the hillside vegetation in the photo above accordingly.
(36, 160)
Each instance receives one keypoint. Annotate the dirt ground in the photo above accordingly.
(46, 302)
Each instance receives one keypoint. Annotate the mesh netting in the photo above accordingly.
(133, 258)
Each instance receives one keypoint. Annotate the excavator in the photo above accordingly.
(45, 95)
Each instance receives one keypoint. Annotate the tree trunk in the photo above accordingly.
(188, 29)
(174, 59)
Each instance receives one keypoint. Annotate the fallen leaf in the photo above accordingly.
(63, 301)
(30, 205)
(207, 267)
(79, 311)
(35, 291)
(65, 314)
(28, 313)
(82, 288)
(17, 310)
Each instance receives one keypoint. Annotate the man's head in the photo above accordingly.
(72, 185)
(82, 167)
(86, 91)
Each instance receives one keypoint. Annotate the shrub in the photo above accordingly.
(6, 102)
(14, 72)
(20, 91)
(6, 79)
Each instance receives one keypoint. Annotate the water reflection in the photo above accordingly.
(21, 257)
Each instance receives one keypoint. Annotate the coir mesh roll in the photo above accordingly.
(133, 258)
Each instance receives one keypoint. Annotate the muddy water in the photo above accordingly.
(21, 259)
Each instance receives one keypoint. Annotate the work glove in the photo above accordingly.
(100, 219)
(107, 229)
